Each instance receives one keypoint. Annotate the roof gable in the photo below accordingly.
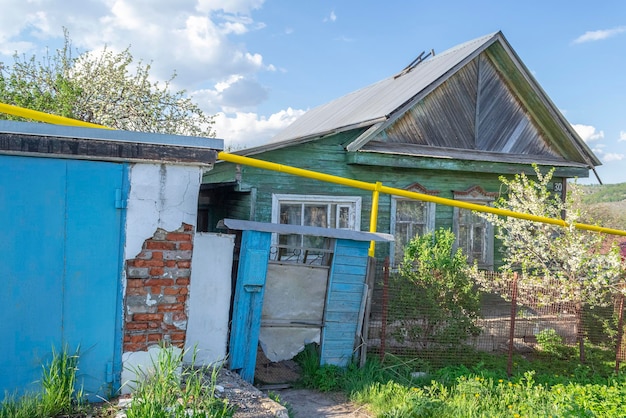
(477, 97)
(473, 110)
(378, 101)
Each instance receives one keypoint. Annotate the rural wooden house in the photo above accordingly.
(449, 124)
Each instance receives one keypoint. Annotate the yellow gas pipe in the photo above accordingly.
(378, 187)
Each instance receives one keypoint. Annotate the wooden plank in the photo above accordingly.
(344, 305)
(249, 291)
(503, 164)
(352, 269)
(341, 234)
(103, 149)
(354, 288)
(352, 261)
(342, 296)
(338, 361)
(333, 316)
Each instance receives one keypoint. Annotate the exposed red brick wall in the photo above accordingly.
(157, 285)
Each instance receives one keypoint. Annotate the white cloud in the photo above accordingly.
(229, 6)
(234, 94)
(331, 18)
(612, 156)
(243, 130)
(196, 39)
(622, 136)
(588, 133)
(598, 35)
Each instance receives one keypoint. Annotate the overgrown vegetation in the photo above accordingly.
(59, 395)
(170, 390)
(167, 389)
(556, 264)
(479, 387)
(437, 303)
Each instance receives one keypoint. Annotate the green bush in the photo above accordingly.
(435, 299)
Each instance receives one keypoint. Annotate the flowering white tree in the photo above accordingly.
(555, 264)
(107, 88)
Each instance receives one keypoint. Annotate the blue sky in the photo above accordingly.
(259, 64)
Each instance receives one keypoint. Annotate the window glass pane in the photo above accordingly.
(472, 229)
(343, 221)
(291, 214)
(317, 211)
(310, 241)
(316, 215)
(477, 243)
(289, 247)
(410, 211)
(410, 221)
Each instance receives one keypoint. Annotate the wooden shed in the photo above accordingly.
(326, 295)
(78, 208)
(449, 124)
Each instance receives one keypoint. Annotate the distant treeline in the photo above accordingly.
(604, 193)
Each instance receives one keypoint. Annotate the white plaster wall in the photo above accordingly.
(140, 364)
(161, 196)
(209, 298)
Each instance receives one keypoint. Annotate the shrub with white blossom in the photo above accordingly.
(555, 264)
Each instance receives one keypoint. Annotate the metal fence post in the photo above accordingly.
(509, 365)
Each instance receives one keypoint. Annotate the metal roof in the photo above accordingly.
(62, 131)
(375, 103)
(374, 107)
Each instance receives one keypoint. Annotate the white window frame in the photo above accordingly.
(477, 196)
(352, 202)
(429, 224)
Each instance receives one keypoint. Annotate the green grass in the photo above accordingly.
(59, 395)
(545, 386)
(170, 390)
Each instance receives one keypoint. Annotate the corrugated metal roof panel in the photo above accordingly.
(379, 100)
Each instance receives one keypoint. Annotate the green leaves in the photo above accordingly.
(557, 264)
(107, 88)
(436, 300)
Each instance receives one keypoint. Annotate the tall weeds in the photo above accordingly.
(59, 395)
(171, 390)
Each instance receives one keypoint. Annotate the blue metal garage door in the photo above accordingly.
(61, 250)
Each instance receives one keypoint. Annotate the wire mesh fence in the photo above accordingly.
(511, 321)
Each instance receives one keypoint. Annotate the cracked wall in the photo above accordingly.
(176, 283)
(160, 223)
(161, 196)
(157, 285)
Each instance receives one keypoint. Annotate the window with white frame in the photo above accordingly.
(340, 212)
(409, 218)
(474, 234)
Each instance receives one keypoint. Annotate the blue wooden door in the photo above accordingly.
(62, 257)
(248, 304)
(344, 299)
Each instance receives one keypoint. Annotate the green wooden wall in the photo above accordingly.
(328, 156)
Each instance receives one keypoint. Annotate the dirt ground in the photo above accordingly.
(302, 403)
(305, 403)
